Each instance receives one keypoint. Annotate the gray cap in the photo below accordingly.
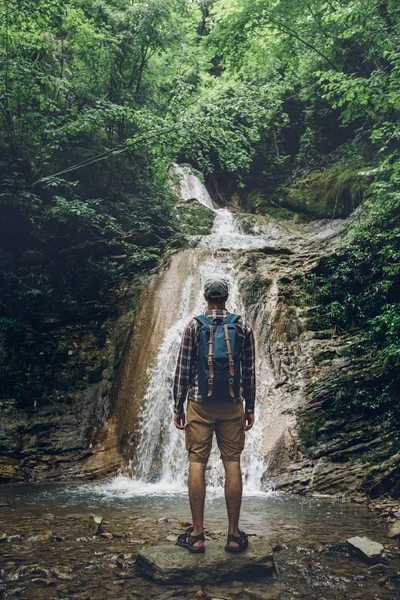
(216, 288)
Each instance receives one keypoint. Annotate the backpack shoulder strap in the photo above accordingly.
(203, 320)
(232, 318)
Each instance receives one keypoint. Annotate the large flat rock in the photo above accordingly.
(365, 548)
(172, 564)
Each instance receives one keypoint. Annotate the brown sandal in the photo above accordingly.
(242, 540)
(187, 540)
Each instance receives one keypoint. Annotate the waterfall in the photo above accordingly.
(159, 454)
(154, 450)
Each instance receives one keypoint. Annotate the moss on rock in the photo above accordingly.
(332, 192)
(194, 218)
(383, 478)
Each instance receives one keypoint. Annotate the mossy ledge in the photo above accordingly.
(330, 192)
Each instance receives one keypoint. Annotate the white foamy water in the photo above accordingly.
(125, 487)
(227, 234)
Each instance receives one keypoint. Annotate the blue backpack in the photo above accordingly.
(218, 358)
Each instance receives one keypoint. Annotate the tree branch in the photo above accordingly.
(285, 29)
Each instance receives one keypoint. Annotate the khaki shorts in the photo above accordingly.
(225, 419)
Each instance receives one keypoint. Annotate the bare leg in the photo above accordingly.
(197, 496)
(233, 496)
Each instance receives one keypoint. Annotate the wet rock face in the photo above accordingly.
(172, 564)
(273, 295)
(307, 448)
(68, 433)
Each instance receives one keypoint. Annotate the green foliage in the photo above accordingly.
(331, 192)
(99, 98)
(357, 290)
(309, 425)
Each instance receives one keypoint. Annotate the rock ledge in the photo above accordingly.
(171, 563)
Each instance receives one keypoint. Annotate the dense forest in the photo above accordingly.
(291, 107)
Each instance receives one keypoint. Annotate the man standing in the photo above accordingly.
(212, 410)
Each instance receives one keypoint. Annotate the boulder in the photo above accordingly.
(365, 548)
(142, 238)
(170, 563)
(31, 258)
(394, 531)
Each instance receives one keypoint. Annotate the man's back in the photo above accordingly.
(186, 378)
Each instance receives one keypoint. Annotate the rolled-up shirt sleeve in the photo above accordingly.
(248, 370)
(184, 368)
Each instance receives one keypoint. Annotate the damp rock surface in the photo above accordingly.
(170, 563)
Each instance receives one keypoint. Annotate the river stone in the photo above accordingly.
(172, 563)
(95, 522)
(366, 548)
(394, 531)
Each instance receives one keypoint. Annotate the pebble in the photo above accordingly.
(46, 537)
(394, 531)
(258, 595)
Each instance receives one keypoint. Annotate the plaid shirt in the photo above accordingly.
(186, 379)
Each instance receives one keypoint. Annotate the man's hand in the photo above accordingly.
(179, 420)
(248, 421)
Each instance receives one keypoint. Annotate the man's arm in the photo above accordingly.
(183, 372)
(249, 370)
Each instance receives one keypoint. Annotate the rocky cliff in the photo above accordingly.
(316, 451)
